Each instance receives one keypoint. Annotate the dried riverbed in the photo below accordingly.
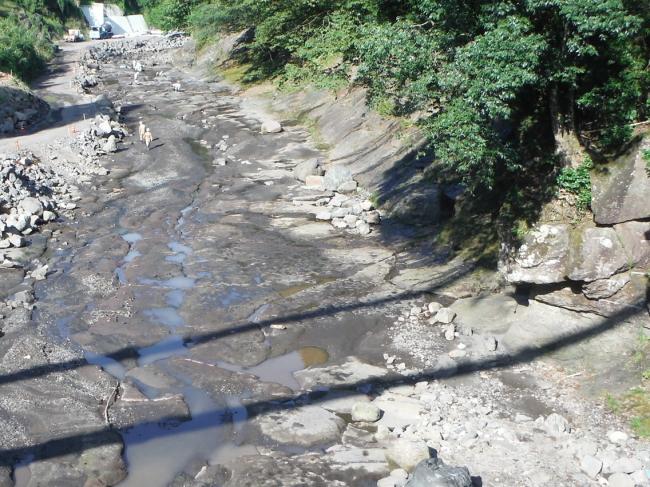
(200, 326)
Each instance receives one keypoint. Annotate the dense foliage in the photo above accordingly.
(502, 87)
(27, 28)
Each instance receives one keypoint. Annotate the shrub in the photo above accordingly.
(578, 182)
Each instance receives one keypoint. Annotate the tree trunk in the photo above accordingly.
(567, 145)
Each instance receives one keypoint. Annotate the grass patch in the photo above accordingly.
(236, 74)
(635, 404)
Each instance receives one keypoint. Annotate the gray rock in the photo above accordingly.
(617, 437)
(305, 426)
(363, 228)
(324, 216)
(605, 288)
(599, 256)
(622, 193)
(591, 466)
(352, 371)
(49, 216)
(310, 167)
(542, 258)
(103, 101)
(104, 128)
(620, 480)
(635, 237)
(555, 424)
(335, 176)
(445, 315)
(340, 212)
(347, 187)
(407, 453)
(271, 127)
(31, 206)
(626, 465)
(365, 411)
(315, 182)
(350, 220)
(111, 144)
(16, 240)
(372, 217)
(434, 473)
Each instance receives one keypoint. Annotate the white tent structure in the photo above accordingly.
(97, 14)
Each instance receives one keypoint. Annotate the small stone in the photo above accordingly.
(363, 228)
(367, 205)
(591, 466)
(450, 332)
(407, 453)
(49, 216)
(556, 424)
(399, 473)
(366, 412)
(457, 353)
(445, 315)
(372, 217)
(16, 240)
(324, 216)
(314, 182)
(31, 206)
(271, 127)
(620, 480)
(347, 187)
(339, 223)
(434, 307)
(618, 437)
(350, 220)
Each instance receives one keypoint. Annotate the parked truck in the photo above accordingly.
(104, 31)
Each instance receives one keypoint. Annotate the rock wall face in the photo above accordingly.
(379, 152)
(598, 266)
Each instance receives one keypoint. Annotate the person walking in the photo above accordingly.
(148, 138)
(141, 130)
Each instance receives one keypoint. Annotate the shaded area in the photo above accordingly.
(78, 442)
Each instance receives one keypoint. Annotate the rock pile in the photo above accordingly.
(31, 194)
(350, 212)
(132, 48)
(596, 266)
(414, 328)
(19, 107)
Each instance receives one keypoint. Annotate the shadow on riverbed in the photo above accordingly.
(83, 441)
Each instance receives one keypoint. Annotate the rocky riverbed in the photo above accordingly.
(227, 308)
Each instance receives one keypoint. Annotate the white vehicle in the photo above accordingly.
(104, 31)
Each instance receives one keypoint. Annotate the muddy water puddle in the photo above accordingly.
(280, 369)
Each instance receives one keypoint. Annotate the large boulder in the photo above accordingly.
(599, 255)
(622, 192)
(310, 167)
(542, 258)
(434, 473)
(635, 238)
(335, 176)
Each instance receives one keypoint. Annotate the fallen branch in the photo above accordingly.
(110, 400)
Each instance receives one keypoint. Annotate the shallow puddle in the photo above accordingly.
(169, 347)
(292, 290)
(280, 369)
